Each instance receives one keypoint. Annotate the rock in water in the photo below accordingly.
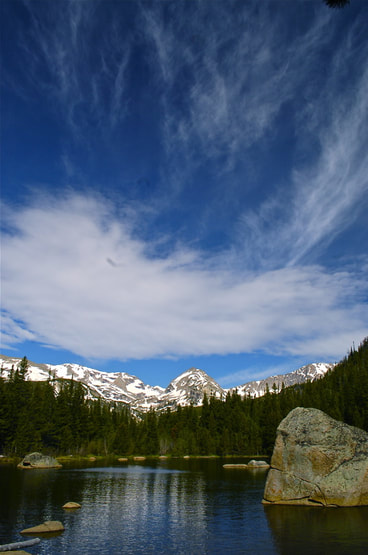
(72, 505)
(318, 461)
(48, 527)
(37, 460)
(261, 465)
(252, 465)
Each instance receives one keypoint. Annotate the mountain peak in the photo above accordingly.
(193, 384)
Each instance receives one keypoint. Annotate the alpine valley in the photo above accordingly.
(188, 388)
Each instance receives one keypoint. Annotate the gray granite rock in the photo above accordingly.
(318, 461)
(37, 460)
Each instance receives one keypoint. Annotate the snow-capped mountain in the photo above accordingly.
(111, 386)
(307, 373)
(188, 388)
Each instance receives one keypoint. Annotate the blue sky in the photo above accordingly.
(184, 184)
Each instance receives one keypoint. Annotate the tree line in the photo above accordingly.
(57, 418)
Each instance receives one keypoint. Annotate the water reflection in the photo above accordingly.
(330, 530)
(174, 507)
(151, 508)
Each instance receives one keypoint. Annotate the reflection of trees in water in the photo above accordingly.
(32, 496)
(298, 529)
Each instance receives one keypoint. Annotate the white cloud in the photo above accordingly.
(75, 278)
(11, 332)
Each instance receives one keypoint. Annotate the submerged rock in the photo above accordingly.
(318, 461)
(235, 465)
(38, 460)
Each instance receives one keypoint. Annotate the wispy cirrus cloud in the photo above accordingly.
(328, 184)
(237, 80)
(236, 76)
(75, 278)
(88, 87)
(323, 198)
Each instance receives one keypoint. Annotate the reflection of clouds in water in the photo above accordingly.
(120, 502)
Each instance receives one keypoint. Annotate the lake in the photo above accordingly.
(188, 506)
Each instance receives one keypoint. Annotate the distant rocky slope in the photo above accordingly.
(188, 388)
(310, 372)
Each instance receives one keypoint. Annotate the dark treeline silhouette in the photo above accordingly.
(55, 417)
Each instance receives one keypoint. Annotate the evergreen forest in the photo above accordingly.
(56, 418)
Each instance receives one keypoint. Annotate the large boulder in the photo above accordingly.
(37, 460)
(318, 461)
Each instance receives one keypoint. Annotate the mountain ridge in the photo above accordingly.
(187, 388)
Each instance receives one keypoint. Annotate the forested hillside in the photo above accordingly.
(57, 419)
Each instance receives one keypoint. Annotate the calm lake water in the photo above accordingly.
(171, 506)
